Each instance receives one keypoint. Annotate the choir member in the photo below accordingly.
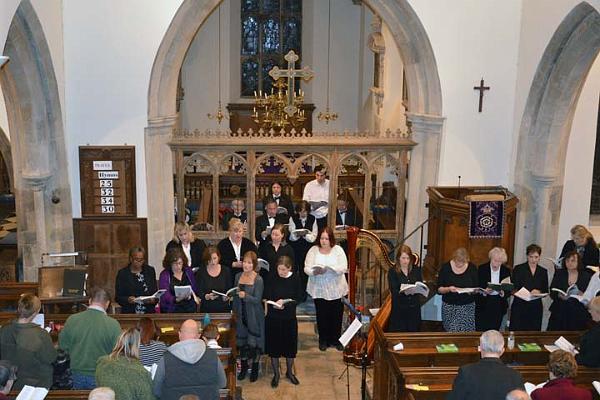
(458, 309)
(271, 251)
(527, 315)
(183, 238)
(568, 313)
(282, 199)
(281, 326)
(316, 192)
(325, 266)
(238, 210)
(302, 241)
(593, 288)
(177, 273)
(267, 221)
(583, 242)
(233, 247)
(213, 277)
(589, 351)
(250, 317)
(345, 216)
(135, 280)
(406, 308)
(491, 306)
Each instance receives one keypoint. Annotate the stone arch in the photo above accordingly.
(546, 125)
(424, 92)
(33, 107)
(7, 157)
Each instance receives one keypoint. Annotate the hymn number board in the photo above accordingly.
(107, 181)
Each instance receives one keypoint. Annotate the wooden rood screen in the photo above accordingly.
(419, 363)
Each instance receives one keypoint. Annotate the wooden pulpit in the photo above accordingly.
(449, 219)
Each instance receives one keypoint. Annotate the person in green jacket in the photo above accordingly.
(27, 346)
(122, 370)
(87, 336)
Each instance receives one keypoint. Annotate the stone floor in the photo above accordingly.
(317, 371)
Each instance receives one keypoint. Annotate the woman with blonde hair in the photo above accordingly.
(583, 242)
(406, 308)
(491, 307)
(122, 370)
(183, 238)
(458, 309)
(233, 248)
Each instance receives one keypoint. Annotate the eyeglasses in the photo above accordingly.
(138, 259)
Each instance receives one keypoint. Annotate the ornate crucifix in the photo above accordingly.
(291, 74)
(481, 89)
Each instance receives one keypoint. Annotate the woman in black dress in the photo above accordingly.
(271, 252)
(458, 309)
(281, 326)
(491, 306)
(234, 247)
(302, 241)
(135, 280)
(213, 277)
(568, 313)
(583, 242)
(406, 308)
(527, 315)
(183, 239)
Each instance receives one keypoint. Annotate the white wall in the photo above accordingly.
(110, 46)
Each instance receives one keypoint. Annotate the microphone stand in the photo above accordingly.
(364, 359)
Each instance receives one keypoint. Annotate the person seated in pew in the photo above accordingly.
(213, 277)
(122, 370)
(406, 308)
(238, 207)
(135, 280)
(489, 378)
(562, 368)
(582, 241)
(234, 247)
(273, 250)
(102, 393)
(189, 367)
(151, 349)
(27, 346)
(210, 334)
(87, 336)
(177, 273)
(302, 241)
(517, 394)
(458, 309)
(8, 376)
(589, 345)
(491, 307)
(527, 315)
(568, 313)
(183, 239)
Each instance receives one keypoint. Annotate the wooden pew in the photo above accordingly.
(11, 291)
(224, 394)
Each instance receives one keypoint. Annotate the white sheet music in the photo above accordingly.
(350, 332)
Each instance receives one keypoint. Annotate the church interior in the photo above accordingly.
(455, 133)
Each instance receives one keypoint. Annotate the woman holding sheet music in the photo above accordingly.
(325, 266)
(527, 315)
(270, 252)
(303, 233)
(406, 306)
(457, 281)
(177, 274)
(135, 280)
(568, 313)
(491, 306)
(213, 277)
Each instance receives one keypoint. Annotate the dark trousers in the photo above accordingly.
(329, 320)
(322, 222)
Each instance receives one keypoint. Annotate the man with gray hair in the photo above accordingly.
(517, 394)
(102, 393)
(489, 378)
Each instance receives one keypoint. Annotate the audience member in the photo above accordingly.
(517, 394)
(562, 369)
(102, 393)
(189, 397)
(151, 349)
(27, 346)
(122, 370)
(489, 378)
(189, 367)
(87, 336)
(7, 378)
(211, 335)
(589, 345)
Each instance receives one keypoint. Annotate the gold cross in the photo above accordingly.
(291, 74)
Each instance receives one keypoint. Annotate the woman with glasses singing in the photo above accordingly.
(135, 280)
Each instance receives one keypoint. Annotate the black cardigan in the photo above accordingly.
(125, 287)
(196, 251)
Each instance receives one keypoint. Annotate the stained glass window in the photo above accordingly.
(270, 28)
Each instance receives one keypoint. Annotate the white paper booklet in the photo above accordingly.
(183, 291)
(414, 288)
(530, 387)
(263, 264)
(300, 232)
(468, 290)
(562, 344)
(571, 290)
(596, 386)
(285, 301)
(32, 393)
(526, 295)
(594, 268)
(230, 293)
(156, 295)
(319, 267)
(39, 320)
(152, 369)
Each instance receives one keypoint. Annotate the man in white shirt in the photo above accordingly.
(316, 192)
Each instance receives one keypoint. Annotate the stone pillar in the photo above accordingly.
(35, 237)
(423, 170)
(159, 181)
(547, 205)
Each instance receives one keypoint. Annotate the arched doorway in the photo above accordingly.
(424, 94)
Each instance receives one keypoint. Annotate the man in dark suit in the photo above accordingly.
(268, 220)
(282, 199)
(489, 378)
(346, 216)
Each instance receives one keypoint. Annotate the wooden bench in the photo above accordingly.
(11, 291)
(83, 394)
